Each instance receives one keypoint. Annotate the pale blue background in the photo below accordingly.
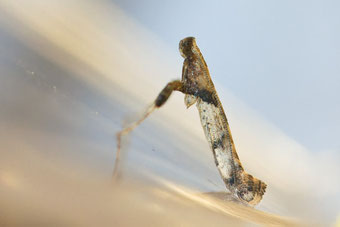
(279, 57)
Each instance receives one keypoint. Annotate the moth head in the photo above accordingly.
(251, 190)
(188, 47)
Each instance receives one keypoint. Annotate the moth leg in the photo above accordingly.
(163, 96)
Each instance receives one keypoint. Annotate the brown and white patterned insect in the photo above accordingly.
(198, 88)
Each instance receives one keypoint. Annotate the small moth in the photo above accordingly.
(198, 88)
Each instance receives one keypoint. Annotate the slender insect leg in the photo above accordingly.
(160, 100)
(125, 131)
(163, 96)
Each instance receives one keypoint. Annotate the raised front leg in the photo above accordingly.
(163, 96)
(160, 100)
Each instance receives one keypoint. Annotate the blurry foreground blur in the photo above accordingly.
(72, 73)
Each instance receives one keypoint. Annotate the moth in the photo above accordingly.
(198, 88)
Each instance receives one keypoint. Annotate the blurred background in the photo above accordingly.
(75, 72)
